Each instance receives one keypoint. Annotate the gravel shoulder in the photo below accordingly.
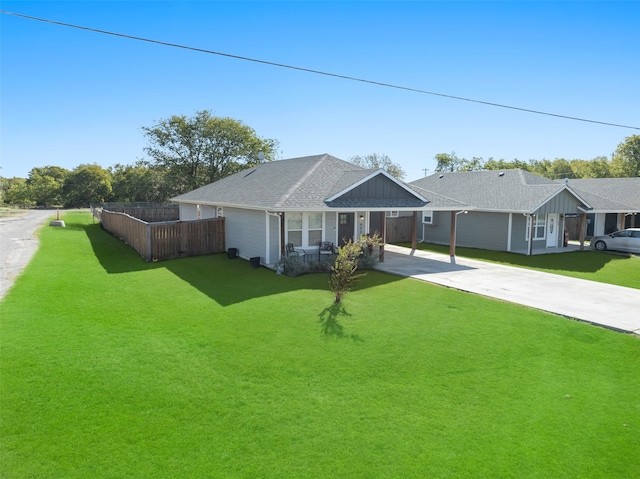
(18, 243)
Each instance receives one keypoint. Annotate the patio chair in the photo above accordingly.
(290, 251)
(326, 248)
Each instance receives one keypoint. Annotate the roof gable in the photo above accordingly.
(312, 183)
(496, 190)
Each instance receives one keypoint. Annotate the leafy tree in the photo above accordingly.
(15, 192)
(133, 183)
(502, 164)
(596, 168)
(204, 148)
(626, 160)
(45, 185)
(86, 184)
(343, 272)
(448, 162)
(376, 161)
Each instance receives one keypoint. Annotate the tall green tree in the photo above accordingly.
(15, 192)
(626, 160)
(45, 185)
(204, 148)
(448, 162)
(140, 183)
(85, 185)
(376, 161)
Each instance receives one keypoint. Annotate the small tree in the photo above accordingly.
(343, 272)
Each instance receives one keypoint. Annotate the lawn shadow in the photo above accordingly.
(226, 281)
(329, 324)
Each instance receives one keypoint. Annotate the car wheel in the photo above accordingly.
(601, 246)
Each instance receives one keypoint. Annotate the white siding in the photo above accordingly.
(246, 230)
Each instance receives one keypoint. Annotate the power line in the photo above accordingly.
(317, 72)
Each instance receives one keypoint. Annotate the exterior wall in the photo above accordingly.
(188, 212)
(274, 240)
(331, 227)
(482, 230)
(519, 234)
(207, 211)
(246, 231)
(473, 230)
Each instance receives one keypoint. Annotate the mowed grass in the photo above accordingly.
(620, 269)
(206, 367)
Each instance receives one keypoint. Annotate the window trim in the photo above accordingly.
(539, 221)
(430, 215)
(305, 229)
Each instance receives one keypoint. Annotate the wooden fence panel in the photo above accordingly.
(399, 229)
(167, 240)
(129, 229)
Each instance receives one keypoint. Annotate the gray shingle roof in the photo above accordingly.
(609, 194)
(297, 184)
(507, 190)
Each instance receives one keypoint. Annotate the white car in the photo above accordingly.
(624, 240)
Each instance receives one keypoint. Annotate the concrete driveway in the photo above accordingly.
(18, 243)
(614, 307)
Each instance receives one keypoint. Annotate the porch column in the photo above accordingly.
(583, 230)
(414, 234)
(452, 235)
(383, 224)
(531, 225)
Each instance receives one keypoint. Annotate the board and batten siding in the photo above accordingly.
(562, 203)
(378, 187)
(246, 231)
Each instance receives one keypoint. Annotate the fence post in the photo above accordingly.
(148, 258)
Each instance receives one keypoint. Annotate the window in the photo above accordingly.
(304, 229)
(538, 227)
(294, 227)
(427, 217)
(315, 228)
(392, 214)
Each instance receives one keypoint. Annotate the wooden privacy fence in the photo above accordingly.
(399, 229)
(168, 239)
(149, 212)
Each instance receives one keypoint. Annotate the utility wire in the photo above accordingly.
(317, 72)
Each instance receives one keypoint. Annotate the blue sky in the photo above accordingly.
(70, 96)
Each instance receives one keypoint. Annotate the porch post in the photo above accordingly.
(281, 235)
(623, 217)
(583, 230)
(531, 225)
(452, 235)
(414, 234)
(383, 224)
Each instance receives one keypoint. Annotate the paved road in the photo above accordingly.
(18, 243)
(611, 306)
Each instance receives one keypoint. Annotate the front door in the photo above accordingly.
(552, 230)
(345, 227)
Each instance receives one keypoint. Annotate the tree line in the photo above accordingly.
(185, 153)
(624, 163)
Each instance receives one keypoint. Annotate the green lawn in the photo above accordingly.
(613, 268)
(206, 367)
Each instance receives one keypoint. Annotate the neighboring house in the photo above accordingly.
(615, 203)
(513, 210)
(303, 201)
